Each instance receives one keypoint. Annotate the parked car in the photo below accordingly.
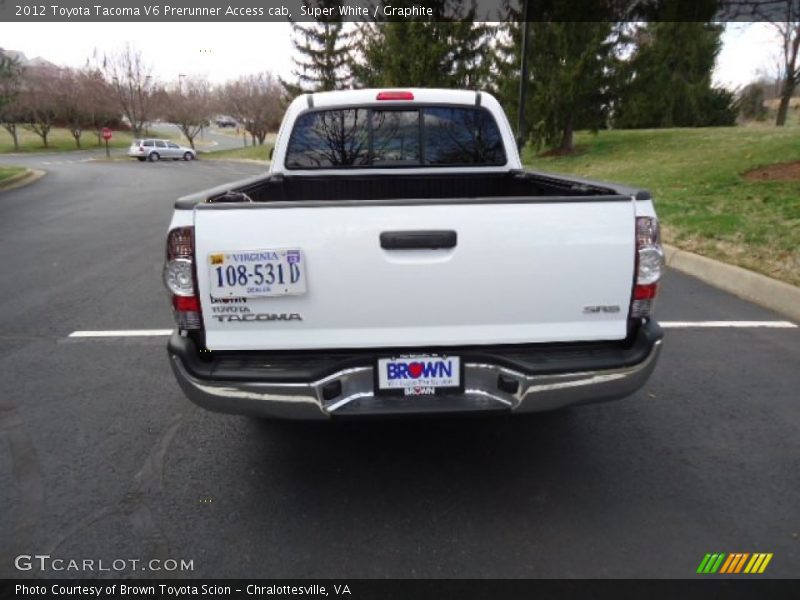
(153, 149)
(397, 259)
(226, 122)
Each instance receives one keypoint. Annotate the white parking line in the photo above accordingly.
(664, 324)
(66, 162)
(121, 333)
(743, 324)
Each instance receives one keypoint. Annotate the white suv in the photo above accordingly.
(153, 150)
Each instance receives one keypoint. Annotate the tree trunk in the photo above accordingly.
(567, 146)
(786, 97)
(11, 128)
(791, 72)
(77, 136)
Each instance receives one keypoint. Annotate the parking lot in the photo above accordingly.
(102, 457)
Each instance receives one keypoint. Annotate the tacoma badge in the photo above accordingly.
(259, 317)
(604, 308)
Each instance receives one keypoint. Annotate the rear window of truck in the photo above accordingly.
(435, 136)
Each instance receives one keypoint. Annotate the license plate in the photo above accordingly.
(419, 375)
(256, 273)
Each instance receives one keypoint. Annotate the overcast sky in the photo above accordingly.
(221, 51)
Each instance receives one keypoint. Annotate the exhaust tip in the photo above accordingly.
(507, 384)
(332, 390)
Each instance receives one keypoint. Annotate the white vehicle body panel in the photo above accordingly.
(520, 273)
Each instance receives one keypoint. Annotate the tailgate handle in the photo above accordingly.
(405, 240)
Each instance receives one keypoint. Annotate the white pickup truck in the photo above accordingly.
(397, 259)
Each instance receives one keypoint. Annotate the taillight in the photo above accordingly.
(395, 95)
(179, 278)
(184, 304)
(649, 266)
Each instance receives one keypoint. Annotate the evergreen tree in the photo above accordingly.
(751, 102)
(10, 76)
(447, 49)
(324, 51)
(506, 63)
(667, 80)
(570, 77)
(11, 111)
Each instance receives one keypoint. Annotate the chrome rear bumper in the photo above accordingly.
(488, 387)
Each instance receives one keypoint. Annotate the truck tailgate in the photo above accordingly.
(544, 270)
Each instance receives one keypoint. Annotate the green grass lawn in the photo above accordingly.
(61, 140)
(6, 172)
(704, 202)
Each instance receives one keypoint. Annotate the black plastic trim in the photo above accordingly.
(305, 366)
(411, 202)
(408, 240)
(620, 188)
(603, 192)
(192, 200)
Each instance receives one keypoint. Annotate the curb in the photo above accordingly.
(27, 177)
(760, 289)
(251, 161)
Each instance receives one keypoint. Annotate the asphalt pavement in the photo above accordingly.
(102, 457)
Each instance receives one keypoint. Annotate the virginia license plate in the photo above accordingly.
(255, 273)
(421, 374)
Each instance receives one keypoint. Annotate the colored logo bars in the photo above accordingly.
(741, 562)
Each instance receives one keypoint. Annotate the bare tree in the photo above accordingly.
(73, 99)
(39, 96)
(784, 16)
(132, 83)
(254, 101)
(189, 106)
(11, 111)
(789, 33)
(101, 107)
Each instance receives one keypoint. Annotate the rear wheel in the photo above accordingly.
(141, 158)
(153, 156)
(188, 156)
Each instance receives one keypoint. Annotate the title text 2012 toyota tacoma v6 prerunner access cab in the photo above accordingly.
(396, 259)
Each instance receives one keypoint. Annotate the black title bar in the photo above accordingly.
(391, 589)
(388, 10)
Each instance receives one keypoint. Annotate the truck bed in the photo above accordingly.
(396, 187)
